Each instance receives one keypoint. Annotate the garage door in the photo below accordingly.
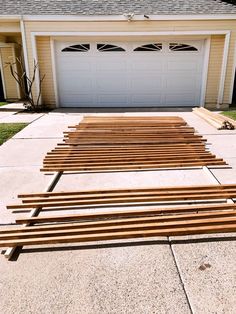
(105, 74)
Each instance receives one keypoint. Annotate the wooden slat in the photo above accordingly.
(230, 193)
(138, 226)
(167, 189)
(115, 220)
(124, 159)
(223, 228)
(133, 167)
(128, 213)
(120, 200)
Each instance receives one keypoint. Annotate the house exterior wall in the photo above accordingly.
(216, 49)
(214, 69)
(11, 88)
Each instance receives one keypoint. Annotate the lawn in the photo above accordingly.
(230, 113)
(7, 130)
(2, 103)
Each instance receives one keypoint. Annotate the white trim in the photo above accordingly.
(54, 71)
(233, 76)
(207, 47)
(138, 17)
(223, 70)
(3, 78)
(15, 66)
(35, 57)
(161, 33)
(24, 45)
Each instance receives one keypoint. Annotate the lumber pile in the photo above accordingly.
(217, 120)
(191, 210)
(129, 143)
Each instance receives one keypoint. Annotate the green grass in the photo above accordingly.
(2, 103)
(7, 130)
(230, 113)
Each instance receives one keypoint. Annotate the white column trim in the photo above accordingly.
(24, 46)
(233, 76)
(3, 78)
(207, 47)
(223, 70)
(54, 71)
(35, 57)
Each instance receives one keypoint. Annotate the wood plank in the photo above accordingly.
(170, 189)
(138, 226)
(224, 228)
(125, 213)
(94, 222)
(118, 201)
(132, 195)
(123, 159)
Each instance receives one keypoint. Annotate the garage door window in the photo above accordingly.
(109, 47)
(149, 47)
(181, 47)
(77, 48)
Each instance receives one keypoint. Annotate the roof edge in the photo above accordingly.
(123, 17)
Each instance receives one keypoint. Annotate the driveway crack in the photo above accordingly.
(180, 277)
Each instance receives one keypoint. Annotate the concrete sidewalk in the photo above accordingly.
(159, 275)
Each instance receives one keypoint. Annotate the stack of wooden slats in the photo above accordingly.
(129, 143)
(136, 213)
(217, 120)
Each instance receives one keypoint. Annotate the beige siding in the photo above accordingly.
(11, 88)
(139, 26)
(45, 66)
(214, 68)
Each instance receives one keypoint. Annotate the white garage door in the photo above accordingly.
(105, 74)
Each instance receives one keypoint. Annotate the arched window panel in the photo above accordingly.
(77, 48)
(181, 47)
(109, 47)
(149, 47)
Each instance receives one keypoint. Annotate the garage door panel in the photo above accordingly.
(147, 99)
(69, 66)
(183, 66)
(113, 100)
(147, 84)
(146, 64)
(110, 65)
(182, 84)
(74, 100)
(175, 99)
(112, 84)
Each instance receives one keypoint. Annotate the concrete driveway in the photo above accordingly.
(194, 274)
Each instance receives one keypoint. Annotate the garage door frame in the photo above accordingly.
(55, 35)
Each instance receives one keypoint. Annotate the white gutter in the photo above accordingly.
(121, 17)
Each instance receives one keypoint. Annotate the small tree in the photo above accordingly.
(27, 83)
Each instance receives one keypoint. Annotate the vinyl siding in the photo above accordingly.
(45, 66)
(7, 55)
(216, 52)
(214, 68)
